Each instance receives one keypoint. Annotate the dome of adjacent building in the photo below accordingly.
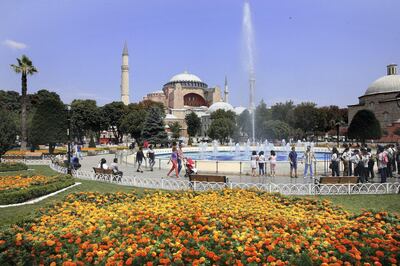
(239, 110)
(385, 84)
(185, 76)
(220, 106)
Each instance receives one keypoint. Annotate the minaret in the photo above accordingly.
(226, 91)
(125, 76)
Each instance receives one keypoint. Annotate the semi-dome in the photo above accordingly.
(385, 84)
(220, 106)
(185, 76)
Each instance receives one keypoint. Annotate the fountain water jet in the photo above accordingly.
(249, 43)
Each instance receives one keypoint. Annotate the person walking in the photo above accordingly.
(139, 159)
(174, 160)
(293, 162)
(152, 157)
(272, 162)
(382, 163)
(181, 157)
(261, 163)
(335, 160)
(308, 159)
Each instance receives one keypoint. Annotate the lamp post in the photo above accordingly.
(337, 124)
(69, 137)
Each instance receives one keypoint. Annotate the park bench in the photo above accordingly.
(106, 174)
(208, 178)
(338, 180)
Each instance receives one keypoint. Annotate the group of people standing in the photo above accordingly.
(361, 162)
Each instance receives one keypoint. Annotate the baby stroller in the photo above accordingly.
(189, 167)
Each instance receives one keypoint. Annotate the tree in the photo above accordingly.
(25, 67)
(223, 114)
(175, 128)
(262, 114)
(275, 130)
(112, 115)
(153, 128)
(306, 117)
(283, 112)
(244, 123)
(193, 123)
(85, 117)
(49, 124)
(222, 129)
(10, 101)
(364, 126)
(132, 122)
(8, 131)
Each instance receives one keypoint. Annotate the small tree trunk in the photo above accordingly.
(23, 112)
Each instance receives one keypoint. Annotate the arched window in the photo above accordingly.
(193, 99)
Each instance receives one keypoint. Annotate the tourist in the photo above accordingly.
(335, 162)
(390, 154)
(398, 158)
(346, 161)
(272, 161)
(308, 159)
(114, 167)
(261, 163)
(253, 163)
(293, 162)
(139, 159)
(393, 158)
(79, 151)
(103, 164)
(355, 159)
(174, 160)
(181, 157)
(363, 166)
(151, 156)
(382, 163)
(371, 163)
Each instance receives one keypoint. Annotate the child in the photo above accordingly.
(272, 161)
(261, 163)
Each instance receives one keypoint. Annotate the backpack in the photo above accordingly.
(385, 158)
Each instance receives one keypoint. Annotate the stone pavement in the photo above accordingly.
(89, 162)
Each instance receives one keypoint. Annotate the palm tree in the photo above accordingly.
(24, 67)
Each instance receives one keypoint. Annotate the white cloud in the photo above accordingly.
(15, 45)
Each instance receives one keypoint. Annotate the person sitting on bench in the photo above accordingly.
(103, 164)
(114, 167)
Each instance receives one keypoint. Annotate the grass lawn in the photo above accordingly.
(15, 215)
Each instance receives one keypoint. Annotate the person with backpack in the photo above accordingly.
(382, 163)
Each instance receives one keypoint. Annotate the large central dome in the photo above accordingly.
(185, 76)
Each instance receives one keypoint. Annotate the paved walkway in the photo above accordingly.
(130, 170)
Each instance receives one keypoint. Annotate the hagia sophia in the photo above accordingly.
(182, 94)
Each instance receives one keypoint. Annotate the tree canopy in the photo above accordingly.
(8, 131)
(364, 126)
(85, 117)
(153, 128)
(193, 123)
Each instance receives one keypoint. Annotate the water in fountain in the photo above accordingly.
(215, 148)
(203, 149)
(237, 149)
(232, 146)
(247, 148)
(249, 43)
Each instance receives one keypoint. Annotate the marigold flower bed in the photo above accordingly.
(228, 227)
(15, 189)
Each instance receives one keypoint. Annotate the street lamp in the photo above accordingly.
(337, 124)
(69, 137)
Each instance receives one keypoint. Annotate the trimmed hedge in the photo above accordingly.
(6, 167)
(18, 196)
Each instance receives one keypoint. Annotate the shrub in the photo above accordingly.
(44, 186)
(6, 167)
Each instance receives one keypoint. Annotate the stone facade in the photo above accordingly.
(381, 98)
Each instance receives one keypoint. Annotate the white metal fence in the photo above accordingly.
(286, 189)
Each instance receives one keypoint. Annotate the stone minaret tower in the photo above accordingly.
(226, 91)
(125, 76)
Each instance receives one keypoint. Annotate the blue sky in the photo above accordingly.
(306, 50)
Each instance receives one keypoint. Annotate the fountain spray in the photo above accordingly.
(249, 42)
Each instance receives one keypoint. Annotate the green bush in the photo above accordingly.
(6, 167)
(35, 191)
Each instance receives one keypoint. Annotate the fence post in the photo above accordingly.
(387, 188)
(159, 163)
(310, 189)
